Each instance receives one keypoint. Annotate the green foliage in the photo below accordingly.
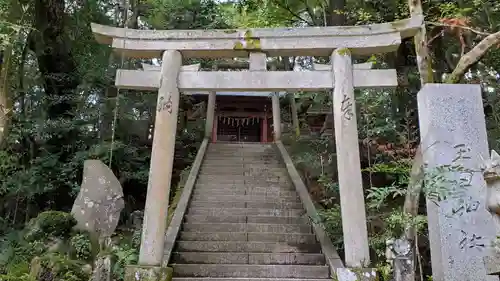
(123, 254)
(60, 267)
(81, 246)
(332, 221)
(50, 224)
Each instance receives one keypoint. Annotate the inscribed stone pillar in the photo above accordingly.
(348, 162)
(162, 158)
(453, 132)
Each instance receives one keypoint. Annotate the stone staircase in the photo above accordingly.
(246, 222)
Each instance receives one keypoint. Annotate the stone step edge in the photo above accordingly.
(251, 253)
(244, 223)
(231, 208)
(223, 268)
(247, 242)
(245, 279)
(246, 232)
(252, 216)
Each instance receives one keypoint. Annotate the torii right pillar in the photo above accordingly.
(355, 232)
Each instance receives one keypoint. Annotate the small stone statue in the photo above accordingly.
(102, 265)
(491, 174)
(400, 256)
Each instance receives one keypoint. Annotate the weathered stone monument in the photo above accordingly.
(460, 227)
(97, 210)
(99, 203)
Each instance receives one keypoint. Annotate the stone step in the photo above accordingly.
(241, 162)
(255, 148)
(247, 219)
(243, 173)
(211, 190)
(266, 178)
(223, 171)
(297, 238)
(244, 182)
(233, 192)
(246, 246)
(238, 145)
(240, 166)
(264, 155)
(260, 271)
(245, 198)
(244, 168)
(246, 204)
(251, 186)
(243, 279)
(247, 227)
(249, 155)
(212, 161)
(245, 211)
(247, 258)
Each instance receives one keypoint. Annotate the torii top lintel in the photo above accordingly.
(304, 41)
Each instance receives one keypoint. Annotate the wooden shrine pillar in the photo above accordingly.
(276, 116)
(214, 128)
(348, 162)
(264, 128)
(162, 159)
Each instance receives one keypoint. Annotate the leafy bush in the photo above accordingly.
(50, 223)
(81, 246)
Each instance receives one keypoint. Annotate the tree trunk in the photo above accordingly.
(56, 64)
(473, 57)
(4, 92)
(336, 13)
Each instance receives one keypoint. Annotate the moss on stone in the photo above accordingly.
(251, 43)
(230, 31)
(238, 46)
(344, 52)
(248, 34)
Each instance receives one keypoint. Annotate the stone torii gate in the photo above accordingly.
(341, 43)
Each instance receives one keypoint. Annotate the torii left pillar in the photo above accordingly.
(160, 174)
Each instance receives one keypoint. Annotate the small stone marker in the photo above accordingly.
(356, 274)
(98, 205)
(452, 127)
(403, 260)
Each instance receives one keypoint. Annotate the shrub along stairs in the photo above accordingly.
(245, 221)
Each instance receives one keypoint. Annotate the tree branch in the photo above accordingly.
(457, 26)
(473, 56)
(289, 10)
